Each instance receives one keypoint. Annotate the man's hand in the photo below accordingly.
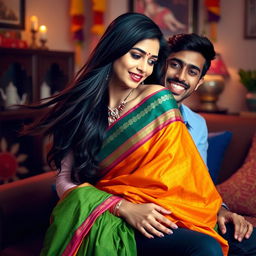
(243, 228)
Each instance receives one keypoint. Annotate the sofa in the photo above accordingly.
(25, 205)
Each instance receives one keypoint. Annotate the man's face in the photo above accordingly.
(183, 71)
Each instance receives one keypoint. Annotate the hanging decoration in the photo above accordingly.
(98, 8)
(213, 16)
(10, 162)
(77, 27)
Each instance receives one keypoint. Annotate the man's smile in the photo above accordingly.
(175, 86)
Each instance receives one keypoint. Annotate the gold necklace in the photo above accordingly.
(114, 113)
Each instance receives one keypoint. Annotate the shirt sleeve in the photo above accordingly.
(63, 180)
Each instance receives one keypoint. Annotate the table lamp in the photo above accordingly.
(214, 83)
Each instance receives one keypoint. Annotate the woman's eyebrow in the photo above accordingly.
(140, 50)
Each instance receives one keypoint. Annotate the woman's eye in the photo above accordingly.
(135, 55)
(152, 62)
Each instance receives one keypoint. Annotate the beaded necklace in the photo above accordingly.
(114, 113)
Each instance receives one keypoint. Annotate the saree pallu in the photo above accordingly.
(84, 213)
(149, 156)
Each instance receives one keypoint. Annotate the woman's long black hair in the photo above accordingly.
(77, 118)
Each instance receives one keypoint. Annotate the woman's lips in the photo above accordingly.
(135, 77)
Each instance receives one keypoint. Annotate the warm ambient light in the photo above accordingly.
(43, 32)
(218, 67)
(213, 86)
(34, 23)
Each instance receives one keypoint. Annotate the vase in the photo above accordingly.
(251, 101)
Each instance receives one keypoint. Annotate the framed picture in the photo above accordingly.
(250, 19)
(172, 16)
(12, 14)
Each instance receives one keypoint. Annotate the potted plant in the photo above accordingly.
(248, 79)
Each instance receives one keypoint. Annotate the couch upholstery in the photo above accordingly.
(25, 205)
(243, 129)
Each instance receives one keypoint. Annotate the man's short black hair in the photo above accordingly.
(196, 43)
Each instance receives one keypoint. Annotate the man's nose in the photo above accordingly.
(181, 74)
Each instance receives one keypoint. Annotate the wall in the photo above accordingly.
(236, 51)
(55, 15)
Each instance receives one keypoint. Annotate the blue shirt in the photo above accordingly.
(197, 127)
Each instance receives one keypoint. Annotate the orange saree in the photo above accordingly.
(149, 156)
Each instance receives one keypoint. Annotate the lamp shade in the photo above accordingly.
(218, 67)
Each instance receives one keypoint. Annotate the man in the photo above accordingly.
(190, 58)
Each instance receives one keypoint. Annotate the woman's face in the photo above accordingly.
(135, 66)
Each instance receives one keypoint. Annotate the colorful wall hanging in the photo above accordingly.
(213, 16)
(77, 27)
(98, 8)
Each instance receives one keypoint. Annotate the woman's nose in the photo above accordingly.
(142, 66)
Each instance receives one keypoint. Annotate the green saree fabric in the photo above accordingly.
(109, 235)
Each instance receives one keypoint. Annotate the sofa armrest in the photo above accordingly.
(25, 207)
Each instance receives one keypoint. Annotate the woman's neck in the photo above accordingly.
(117, 94)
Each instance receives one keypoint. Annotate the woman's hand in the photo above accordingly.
(147, 218)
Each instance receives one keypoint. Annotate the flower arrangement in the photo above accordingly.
(248, 79)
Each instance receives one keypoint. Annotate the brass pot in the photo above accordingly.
(251, 101)
(209, 92)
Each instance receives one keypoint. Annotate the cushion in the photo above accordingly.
(218, 143)
(239, 191)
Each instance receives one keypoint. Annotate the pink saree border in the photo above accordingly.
(159, 127)
(73, 246)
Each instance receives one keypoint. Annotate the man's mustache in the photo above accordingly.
(175, 80)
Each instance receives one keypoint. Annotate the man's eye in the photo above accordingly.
(174, 65)
(135, 55)
(193, 72)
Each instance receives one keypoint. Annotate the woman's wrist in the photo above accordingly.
(118, 208)
(114, 209)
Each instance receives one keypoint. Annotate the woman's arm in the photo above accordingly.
(147, 218)
(63, 180)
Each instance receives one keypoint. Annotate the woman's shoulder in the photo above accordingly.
(148, 89)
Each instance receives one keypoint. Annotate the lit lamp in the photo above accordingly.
(33, 30)
(214, 83)
(43, 36)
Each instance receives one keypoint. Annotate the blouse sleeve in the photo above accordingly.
(63, 180)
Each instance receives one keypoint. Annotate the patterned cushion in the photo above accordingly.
(239, 191)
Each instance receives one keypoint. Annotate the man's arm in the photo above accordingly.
(198, 130)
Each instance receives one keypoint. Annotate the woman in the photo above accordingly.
(128, 149)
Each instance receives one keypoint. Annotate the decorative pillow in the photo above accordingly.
(239, 191)
(218, 143)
